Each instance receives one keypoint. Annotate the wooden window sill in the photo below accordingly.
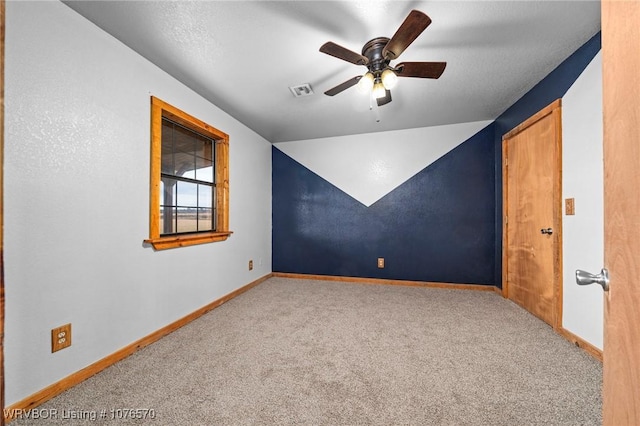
(163, 243)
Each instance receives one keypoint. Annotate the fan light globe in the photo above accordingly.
(389, 79)
(379, 90)
(366, 83)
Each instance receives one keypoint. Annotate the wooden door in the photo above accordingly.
(532, 234)
(621, 107)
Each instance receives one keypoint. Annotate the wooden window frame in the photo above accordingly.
(160, 110)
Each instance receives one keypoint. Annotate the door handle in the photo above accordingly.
(586, 278)
(547, 231)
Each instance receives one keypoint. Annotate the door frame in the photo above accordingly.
(555, 109)
(2, 301)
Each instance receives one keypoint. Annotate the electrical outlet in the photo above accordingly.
(60, 337)
(251, 265)
(381, 262)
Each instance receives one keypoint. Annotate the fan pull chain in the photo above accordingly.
(373, 105)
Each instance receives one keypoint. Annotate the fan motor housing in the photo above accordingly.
(373, 51)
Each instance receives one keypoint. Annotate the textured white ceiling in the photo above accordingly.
(244, 55)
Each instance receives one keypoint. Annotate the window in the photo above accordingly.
(189, 200)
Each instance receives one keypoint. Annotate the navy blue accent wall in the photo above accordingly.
(437, 226)
(552, 87)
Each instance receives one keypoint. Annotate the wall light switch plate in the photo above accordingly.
(570, 206)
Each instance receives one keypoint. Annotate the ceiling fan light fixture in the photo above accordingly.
(377, 55)
(366, 83)
(378, 90)
(389, 79)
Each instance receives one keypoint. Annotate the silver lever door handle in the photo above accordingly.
(586, 278)
(548, 231)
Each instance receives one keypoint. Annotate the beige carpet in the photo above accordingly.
(327, 353)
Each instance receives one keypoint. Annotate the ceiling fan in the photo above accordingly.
(377, 55)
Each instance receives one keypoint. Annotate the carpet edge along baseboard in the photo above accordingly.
(581, 343)
(79, 376)
(384, 281)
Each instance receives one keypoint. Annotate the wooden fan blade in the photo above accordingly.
(421, 69)
(343, 86)
(384, 100)
(335, 50)
(414, 24)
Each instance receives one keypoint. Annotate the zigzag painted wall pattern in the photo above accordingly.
(441, 217)
(444, 224)
(369, 166)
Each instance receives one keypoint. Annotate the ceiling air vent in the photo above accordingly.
(301, 90)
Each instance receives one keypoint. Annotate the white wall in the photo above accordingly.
(77, 194)
(583, 234)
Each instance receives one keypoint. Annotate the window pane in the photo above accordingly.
(213, 199)
(167, 220)
(204, 170)
(204, 220)
(185, 165)
(187, 194)
(168, 192)
(167, 163)
(184, 140)
(167, 135)
(187, 220)
(167, 147)
(186, 153)
(205, 196)
(204, 148)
